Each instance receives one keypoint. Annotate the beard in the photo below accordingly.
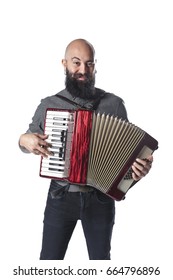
(84, 89)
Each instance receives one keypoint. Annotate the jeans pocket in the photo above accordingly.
(57, 191)
(103, 198)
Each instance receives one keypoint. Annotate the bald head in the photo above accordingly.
(79, 46)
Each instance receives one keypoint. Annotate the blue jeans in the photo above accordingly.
(96, 212)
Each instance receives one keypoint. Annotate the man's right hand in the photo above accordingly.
(35, 143)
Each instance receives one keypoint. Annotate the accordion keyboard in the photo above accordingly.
(59, 128)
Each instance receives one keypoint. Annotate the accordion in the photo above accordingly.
(94, 149)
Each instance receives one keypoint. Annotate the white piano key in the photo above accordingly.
(61, 114)
(56, 125)
(57, 161)
(53, 167)
(46, 172)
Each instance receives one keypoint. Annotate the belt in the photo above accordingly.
(77, 188)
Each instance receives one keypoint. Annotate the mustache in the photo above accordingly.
(80, 75)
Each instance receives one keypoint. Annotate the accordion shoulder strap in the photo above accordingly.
(69, 101)
(89, 105)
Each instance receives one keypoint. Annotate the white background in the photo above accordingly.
(134, 50)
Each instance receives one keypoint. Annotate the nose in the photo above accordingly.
(83, 68)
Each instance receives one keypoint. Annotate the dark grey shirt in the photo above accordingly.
(109, 104)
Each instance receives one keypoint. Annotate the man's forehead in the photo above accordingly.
(80, 51)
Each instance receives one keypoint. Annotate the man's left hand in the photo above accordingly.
(141, 167)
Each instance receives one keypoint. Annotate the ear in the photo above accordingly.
(64, 62)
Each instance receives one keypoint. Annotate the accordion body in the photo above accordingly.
(92, 149)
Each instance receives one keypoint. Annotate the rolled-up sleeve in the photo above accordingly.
(37, 124)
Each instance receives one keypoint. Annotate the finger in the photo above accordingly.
(138, 165)
(44, 151)
(41, 136)
(137, 174)
(150, 158)
(141, 169)
(40, 153)
(135, 177)
(140, 172)
(44, 145)
(36, 152)
(143, 165)
(145, 161)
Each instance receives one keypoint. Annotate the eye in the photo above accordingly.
(90, 64)
(76, 63)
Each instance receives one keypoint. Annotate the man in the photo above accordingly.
(66, 203)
